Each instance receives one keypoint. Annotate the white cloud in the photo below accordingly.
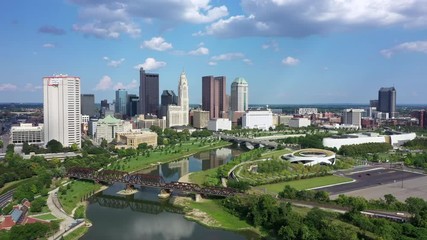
(247, 61)
(132, 85)
(109, 19)
(29, 87)
(416, 46)
(272, 44)
(157, 43)
(113, 63)
(290, 61)
(107, 30)
(228, 56)
(151, 64)
(212, 63)
(105, 83)
(299, 18)
(49, 45)
(199, 51)
(7, 87)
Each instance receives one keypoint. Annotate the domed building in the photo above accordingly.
(239, 95)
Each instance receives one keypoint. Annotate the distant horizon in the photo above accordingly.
(327, 52)
(263, 104)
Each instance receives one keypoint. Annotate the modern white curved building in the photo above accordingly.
(311, 156)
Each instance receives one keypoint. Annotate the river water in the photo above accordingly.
(144, 216)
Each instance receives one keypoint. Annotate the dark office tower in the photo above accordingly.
(148, 93)
(88, 104)
(132, 107)
(373, 103)
(104, 104)
(214, 97)
(121, 101)
(387, 101)
(168, 98)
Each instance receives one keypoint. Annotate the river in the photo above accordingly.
(144, 216)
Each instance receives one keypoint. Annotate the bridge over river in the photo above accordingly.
(254, 141)
(113, 176)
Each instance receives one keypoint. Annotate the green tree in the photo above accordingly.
(1, 144)
(38, 204)
(54, 146)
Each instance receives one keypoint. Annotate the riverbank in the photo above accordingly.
(157, 157)
(210, 213)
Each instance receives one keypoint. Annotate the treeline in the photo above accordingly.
(280, 221)
(30, 231)
(417, 160)
(417, 143)
(361, 149)
(309, 141)
(389, 202)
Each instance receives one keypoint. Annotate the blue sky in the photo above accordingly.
(289, 51)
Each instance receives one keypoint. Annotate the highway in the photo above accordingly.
(6, 198)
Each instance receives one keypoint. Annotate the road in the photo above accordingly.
(58, 212)
(371, 177)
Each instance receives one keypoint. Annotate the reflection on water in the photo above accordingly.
(198, 162)
(144, 216)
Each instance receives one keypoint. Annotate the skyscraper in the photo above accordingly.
(178, 115)
(239, 95)
(214, 98)
(168, 98)
(387, 101)
(88, 104)
(121, 101)
(61, 109)
(352, 117)
(132, 105)
(183, 100)
(148, 93)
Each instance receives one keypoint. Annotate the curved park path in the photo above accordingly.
(57, 211)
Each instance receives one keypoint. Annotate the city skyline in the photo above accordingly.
(291, 52)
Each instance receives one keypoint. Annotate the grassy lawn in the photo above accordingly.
(11, 185)
(201, 176)
(75, 193)
(276, 153)
(156, 156)
(305, 183)
(77, 233)
(214, 209)
(47, 216)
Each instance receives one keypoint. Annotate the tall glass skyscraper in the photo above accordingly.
(239, 95)
(387, 101)
(121, 101)
(148, 93)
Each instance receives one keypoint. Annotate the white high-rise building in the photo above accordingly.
(61, 109)
(239, 95)
(183, 100)
(352, 117)
(179, 115)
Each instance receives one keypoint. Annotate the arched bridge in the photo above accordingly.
(145, 180)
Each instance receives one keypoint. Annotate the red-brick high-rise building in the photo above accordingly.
(214, 97)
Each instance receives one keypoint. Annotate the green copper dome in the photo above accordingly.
(240, 80)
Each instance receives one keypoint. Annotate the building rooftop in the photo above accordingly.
(240, 80)
(109, 120)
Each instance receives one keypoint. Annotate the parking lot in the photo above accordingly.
(372, 177)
